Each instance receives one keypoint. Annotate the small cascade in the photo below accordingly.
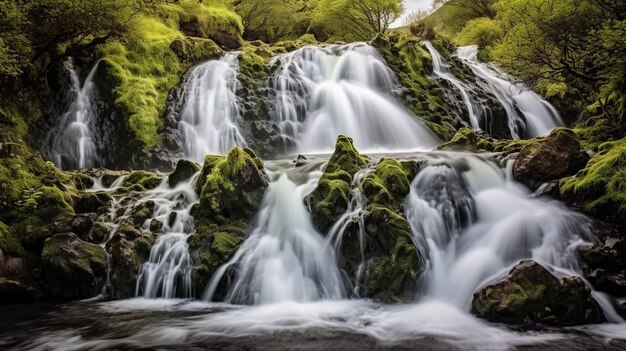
(167, 274)
(324, 91)
(473, 223)
(441, 69)
(284, 258)
(70, 144)
(210, 114)
(528, 114)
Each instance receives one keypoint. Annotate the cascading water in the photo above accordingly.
(529, 115)
(442, 71)
(167, 274)
(210, 115)
(284, 258)
(70, 144)
(325, 91)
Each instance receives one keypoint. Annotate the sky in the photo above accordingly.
(412, 5)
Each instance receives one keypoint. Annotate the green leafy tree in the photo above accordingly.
(357, 19)
(274, 20)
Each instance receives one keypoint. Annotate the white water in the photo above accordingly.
(442, 70)
(167, 274)
(529, 115)
(284, 258)
(70, 143)
(210, 115)
(324, 91)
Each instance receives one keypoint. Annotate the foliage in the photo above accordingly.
(274, 20)
(482, 31)
(354, 20)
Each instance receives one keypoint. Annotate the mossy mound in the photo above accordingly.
(73, 268)
(232, 187)
(532, 295)
(144, 179)
(330, 198)
(601, 186)
(388, 185)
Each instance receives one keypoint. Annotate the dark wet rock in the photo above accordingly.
(611, 283)
(129, 249)
(553, 157)
(142, 212)
(330, 198)
(98, 233)
(184, 170)
(530, 294)
(72, 268)
(80, 225)
(12, 291)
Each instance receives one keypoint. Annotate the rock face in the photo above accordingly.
(330, 198)
(129, 248)
(72, 268)
(607, 266)
(554, 157)
(532, 295)
(184, 170)
(231, 189)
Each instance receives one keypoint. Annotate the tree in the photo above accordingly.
(274, 20)
(352, 20)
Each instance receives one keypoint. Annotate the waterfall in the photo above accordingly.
(167, 273)
(210, 114)
(441, 69)
(284, 258)
(528, 114)
(324, 91)
(70, 143)
(473, 223)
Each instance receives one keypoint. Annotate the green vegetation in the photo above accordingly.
(275, 20)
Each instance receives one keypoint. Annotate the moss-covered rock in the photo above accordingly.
(129, 249)
(79, 225)
(330, 198)
(91, 202)
(145, 179)
(184, 170)
(72, 268)
(142, 212)
(212, 246)
(601, 186)
(193, 50)
(530, 294)
(551, 158)
(233, 187)
(394, 262)
(388, 185)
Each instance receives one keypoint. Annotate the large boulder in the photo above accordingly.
(530, 294)
(193, 50)
(231, 189)
(129, 249)
(330, 198)
(554, 157)
(72, 268)
(80, 225)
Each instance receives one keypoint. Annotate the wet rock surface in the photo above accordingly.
(530, 295)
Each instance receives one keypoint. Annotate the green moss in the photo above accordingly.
(144, 68)
(601, 186)
(387, 185)
(9, 244)
(145, 179)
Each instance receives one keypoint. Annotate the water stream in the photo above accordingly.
(210, 114)
(70, 144)
(325, 91)
(528, 114)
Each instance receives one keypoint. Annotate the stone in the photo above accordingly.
(80, 225)
(531, 295)
(72, 268)
(184, 170)
(554, 157)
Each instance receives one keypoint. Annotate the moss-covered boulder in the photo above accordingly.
(72, 268)
(232, 187)
(330, 198)
(600, 188)
(144, 179)
(551, 158)
(212, 246)
(231, 191)
(467, 140)
(91, 202)
(394, 262)
(388, 185)
(193, 50)
(129, 249)
(185, 169)
(530, 294)
(79, 225)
